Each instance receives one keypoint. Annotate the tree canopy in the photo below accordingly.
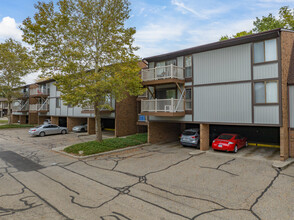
(285, 20)
(15, 63)
(87, 48)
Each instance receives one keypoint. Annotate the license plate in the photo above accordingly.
(220, 145)
(185, 139)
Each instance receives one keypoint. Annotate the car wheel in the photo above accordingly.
(246, 144)
(63, 132)
(42, 134)
(236, 149)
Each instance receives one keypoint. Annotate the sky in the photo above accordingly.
(164, 25)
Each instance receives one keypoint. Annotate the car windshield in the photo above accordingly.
(225, 137)
(189, 132)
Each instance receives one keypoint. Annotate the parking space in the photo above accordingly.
(152, 182)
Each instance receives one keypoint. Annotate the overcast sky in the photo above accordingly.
(164, 25)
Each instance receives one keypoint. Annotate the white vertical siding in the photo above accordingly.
(266, 114)
(229, 103)
(266, 71)
(222, 65)
(186, 118)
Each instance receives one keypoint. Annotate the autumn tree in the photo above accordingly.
(285, 20)
(15, 63)
(87, 48)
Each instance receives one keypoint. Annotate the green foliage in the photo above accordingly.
(15, 126)
(94, 147)
(15, 62)
(3, 121)
(240, 34)
(285, 20)
(86, 48)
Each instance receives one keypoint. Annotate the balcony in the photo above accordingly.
(163, 75)
(39, 107)
(90, 109)
(20, 108)
(39, 92)
(163, 107)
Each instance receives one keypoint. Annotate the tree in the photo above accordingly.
(285, 20)
(15, 62)
(240, 34)
(85, 46)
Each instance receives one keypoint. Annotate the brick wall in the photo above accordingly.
(162, 132)
(54, 120)
(41, 119)
(71, 122)
(91, 126)
(14, 118)
(22, 119)
(126, 117)
(33, 118)
(287, 59)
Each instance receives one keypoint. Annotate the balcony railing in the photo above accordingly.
(39, 107)
(163, 72)
(39, 91)
(91, 107)
(20, 107)
(162, 105)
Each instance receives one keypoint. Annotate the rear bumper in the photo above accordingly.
(223, 147)
(189, 143)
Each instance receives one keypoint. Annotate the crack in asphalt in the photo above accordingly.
(219, 166)
(126, 190)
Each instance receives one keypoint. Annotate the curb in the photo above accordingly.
(281, 165)
(60, 150)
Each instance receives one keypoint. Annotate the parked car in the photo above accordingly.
(229, 142)
(80, 128)
(47, 129)
(190, 137)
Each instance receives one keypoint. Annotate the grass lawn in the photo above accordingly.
(16, 126)
(3, 121)
(94, 147)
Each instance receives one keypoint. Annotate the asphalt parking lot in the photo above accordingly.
(152, 182)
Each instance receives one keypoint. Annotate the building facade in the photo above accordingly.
(3, 107)
(243, 85)
(41, 101)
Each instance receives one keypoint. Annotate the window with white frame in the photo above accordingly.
(266, 92)
(265, 51)
(188, 99)
(188, 66)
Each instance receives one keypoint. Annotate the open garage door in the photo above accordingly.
(257, 135)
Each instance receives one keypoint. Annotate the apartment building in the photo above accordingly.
(243, 85)
(41, 101)
(3, 107)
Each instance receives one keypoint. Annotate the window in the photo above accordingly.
(58, 102)
(188, 66)
(265, 51)
(188, 100)
(266, 92)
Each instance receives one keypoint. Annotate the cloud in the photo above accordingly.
(185, 9)
(9, 28)
(153, 33)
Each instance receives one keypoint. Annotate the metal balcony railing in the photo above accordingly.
(163, 105)
(163, 72)
(39, 91)
(39, 107)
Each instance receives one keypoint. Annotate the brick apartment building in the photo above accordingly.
(3, 107)
(41, 101)
(243, 85)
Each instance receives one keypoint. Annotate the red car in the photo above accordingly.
(229, 142)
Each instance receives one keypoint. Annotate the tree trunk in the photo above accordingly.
(98, 124)
(9, 113)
